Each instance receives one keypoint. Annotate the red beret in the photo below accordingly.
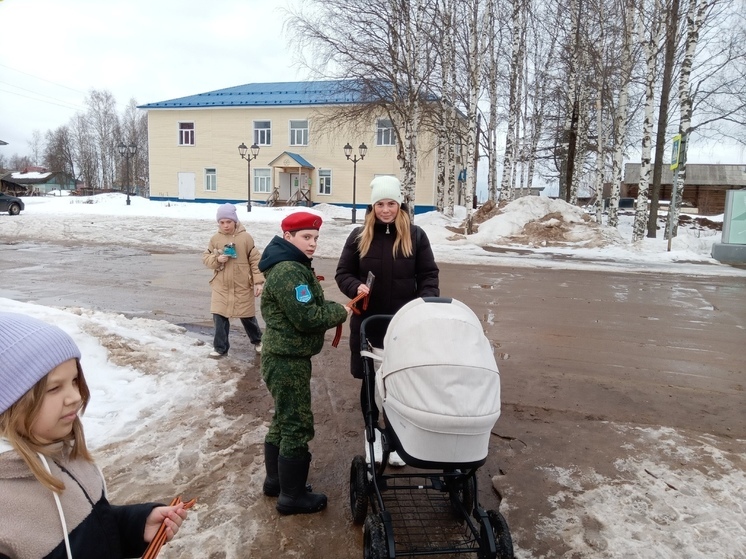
(301, 220)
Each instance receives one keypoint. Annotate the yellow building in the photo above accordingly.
(194, 141)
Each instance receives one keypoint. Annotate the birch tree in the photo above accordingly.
(86, 159)
(384, 47)
(103, 123)
(474, 63)
(650, 48)
(517, 54)
(59, 153)
(621, 114)
(672, 35)
(569, 135)
(36, 145)
(134, 130)
(694, 17)
(544, 45)
(579, 158)
(599, 159)
(447, 145)
(491, 134)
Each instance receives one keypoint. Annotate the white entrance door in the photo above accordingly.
(186, 186)
(295, 179)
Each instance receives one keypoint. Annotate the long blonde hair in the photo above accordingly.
(16, 423)
(403, 241)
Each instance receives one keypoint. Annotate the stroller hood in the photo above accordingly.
(439, 382)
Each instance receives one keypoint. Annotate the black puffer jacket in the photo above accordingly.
(398, 280)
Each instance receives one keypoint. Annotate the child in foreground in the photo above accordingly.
(296, 316)
(52, 495)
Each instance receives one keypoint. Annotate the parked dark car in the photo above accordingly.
(10, 204)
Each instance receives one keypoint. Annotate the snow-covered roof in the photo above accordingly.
(30, 177)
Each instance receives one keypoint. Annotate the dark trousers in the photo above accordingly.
(223, 327)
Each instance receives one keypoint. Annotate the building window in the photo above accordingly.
(385, 133)
(211, 180)
(262, 181)
(325, 181)
(298, 132)
(186, 133)
(262, 132)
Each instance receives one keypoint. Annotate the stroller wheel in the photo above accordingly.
(374, 538)
(503, 541)
(359, 489)
(462, 492)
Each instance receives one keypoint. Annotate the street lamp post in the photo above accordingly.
(127, 151)
(363, 149)
(244, 152)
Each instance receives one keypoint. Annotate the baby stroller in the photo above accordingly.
(437, 387)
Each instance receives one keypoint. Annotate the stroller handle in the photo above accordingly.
(384, 319)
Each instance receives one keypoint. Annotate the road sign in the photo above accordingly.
(675, 152)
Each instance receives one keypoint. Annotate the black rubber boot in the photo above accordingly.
(294, 499)
(272, 481)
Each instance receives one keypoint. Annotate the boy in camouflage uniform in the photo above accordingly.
(296, 317)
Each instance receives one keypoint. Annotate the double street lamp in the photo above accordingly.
(244, 152)
(127, 151)
(363, 149)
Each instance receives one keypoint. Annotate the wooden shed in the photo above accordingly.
(704, 189)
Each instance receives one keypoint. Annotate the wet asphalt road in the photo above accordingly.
(680, 338)
(580, 353)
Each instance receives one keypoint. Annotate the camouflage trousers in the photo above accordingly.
(289, 382)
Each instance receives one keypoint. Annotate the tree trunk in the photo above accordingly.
(492, 91)
(694, 18)
(650, 47)
(599, 160)
(506, 185)
(672, 22)
(622, 115)
(474, 66)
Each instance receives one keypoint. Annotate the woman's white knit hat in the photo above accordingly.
(385, 187)
(29, 350)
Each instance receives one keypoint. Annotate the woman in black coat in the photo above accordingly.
(399, 255)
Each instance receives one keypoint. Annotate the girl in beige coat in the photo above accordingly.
(236, 280)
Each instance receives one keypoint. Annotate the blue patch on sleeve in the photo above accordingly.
(303, 294)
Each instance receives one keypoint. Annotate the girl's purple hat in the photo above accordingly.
(227, 211)
(29, 350)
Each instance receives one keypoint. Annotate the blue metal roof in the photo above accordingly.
(300, 160)
(278, 94)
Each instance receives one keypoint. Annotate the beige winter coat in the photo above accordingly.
(233, 282)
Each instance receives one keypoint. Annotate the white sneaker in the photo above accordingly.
(258, 347)
(215, 355)
(396, 461)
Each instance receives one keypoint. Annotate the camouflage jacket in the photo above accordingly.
(293, 305)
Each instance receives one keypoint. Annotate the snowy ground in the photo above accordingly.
(143, 399)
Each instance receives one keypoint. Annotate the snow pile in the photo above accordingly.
(541, 222)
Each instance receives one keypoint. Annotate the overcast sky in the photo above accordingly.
(56, 51)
